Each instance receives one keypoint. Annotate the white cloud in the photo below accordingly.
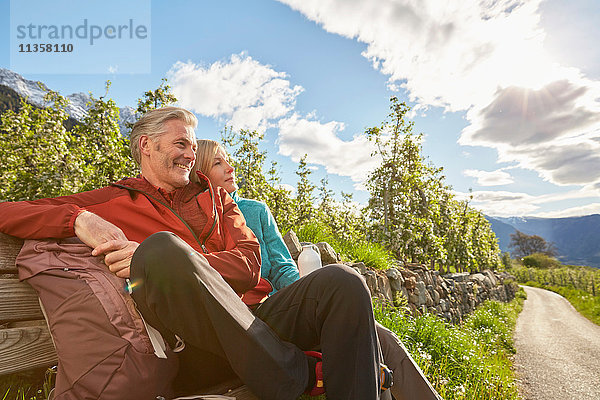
(320, 141)
(242, 91)
(588, 209)
(486, 57)
(250, 95)
(552, 130)
(490, 178)
(451, 54)
(500, 203)
(506, 203)
(520, 117)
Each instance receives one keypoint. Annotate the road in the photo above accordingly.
(558, 350)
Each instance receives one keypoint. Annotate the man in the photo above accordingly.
(194, 269)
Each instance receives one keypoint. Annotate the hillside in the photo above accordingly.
(13, 87)
(11, 100)
(577, 239)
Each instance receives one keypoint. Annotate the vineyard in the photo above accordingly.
(579, 285)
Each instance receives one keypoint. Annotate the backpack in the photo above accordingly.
(104, 351)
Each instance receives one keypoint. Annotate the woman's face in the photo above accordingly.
(221, 173)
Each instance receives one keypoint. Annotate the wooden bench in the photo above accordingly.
(25, 341)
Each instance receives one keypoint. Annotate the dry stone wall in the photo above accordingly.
(451, 296)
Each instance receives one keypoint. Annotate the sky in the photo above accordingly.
(506, 92)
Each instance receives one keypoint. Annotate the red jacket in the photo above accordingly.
(209, 222)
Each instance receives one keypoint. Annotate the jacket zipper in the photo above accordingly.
(148, 195)
(212, 228)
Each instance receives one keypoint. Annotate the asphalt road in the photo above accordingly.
(558, 350)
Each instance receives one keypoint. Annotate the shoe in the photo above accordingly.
(319, 387)
(386, 377)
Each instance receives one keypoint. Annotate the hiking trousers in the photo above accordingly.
(181, 295)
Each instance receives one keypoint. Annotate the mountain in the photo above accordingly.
(502, 231)
(13, 87)
(577, 239)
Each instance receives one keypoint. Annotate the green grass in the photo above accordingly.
(30, 385)
(471, 361)
(372, 254)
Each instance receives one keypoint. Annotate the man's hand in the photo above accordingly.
(108, 239)
(118, 254)
(94, 230)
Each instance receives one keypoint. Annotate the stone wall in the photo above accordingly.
(451, 296)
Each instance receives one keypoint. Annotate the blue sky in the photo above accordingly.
(507, 92)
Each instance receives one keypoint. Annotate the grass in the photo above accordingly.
(470, 361)
(30, 385)
(372, 254)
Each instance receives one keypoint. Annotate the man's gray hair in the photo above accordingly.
(152, 124)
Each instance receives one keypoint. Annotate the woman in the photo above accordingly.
(277, 265)
(279, 268)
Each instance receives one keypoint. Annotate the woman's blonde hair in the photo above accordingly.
(205, 156)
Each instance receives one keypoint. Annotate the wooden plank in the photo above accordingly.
(18, 302)
(26, 348)
(9, 248)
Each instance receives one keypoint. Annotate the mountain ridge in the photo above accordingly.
(577, 239)
(34, 91)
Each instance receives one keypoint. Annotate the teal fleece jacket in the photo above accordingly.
(277, 266)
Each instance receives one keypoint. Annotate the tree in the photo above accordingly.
(525, 245)
(103, 150)
(305, 193)
(153, 99)
(404, 189)
(248, 161)
(42, 157)
(326, 211)
(541, 261)
(279, 200)
(37, 152)
(413, 212)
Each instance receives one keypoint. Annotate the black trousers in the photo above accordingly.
(178, 293)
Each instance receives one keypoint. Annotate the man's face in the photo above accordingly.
(167, 161)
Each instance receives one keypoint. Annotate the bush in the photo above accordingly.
(539, 260)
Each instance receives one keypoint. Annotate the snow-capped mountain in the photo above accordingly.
(77, 108)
